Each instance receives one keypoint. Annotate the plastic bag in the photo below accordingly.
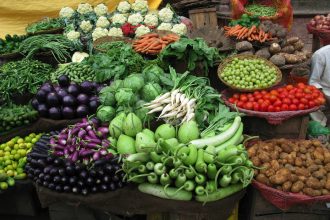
(315, 129)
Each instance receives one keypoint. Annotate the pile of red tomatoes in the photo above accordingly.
(287, 98)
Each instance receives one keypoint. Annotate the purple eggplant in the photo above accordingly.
(96, 155)
(82, 133)
(92, 134)
(103, 152)
(74, 156)
(85, 153)
(58, 153)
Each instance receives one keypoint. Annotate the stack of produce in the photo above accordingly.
(45, 25)
(67, 100)
(251, 34)
(13, 159)
(153, 43)
(32, 74)
(61, 173)
(297, 166)
(275, 30)
(13, 116)
(321, 22)
(77, 72)
(10, 44)
(288, 98)
(178, 165)
(261, 10)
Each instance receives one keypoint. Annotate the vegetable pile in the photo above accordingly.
(251, 34)
(10, 44)
(45, 24)
(246, 21)
(288, 98)
(13, 116)
(275, 30)
(77, 72)
(67, 100)
(62, 175)
(249, 73)
(152, 43)
(298, 166)
(321, 22)
(32, 74)
(261, 10)
(178, 165)
(13, 159)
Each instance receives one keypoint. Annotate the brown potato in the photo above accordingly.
(283, 155)
(256, 172)
(312, 192)
(297, 186)
(313, 168)
(303, 150)
(325, 192)
(292, 40)
(327, 167)
(319, 173)
(302, 178)
(287, 186)
(287, 49)
(275, 165)
(318, 155)
(263, 179)
(298, 162)
(293, 178)
(264, 157)
(316, 143)
(252, 151)
(298, 45)
(302, 172)
(286, 148)
(327, 184)
(313, 183)
(270, 172)
(274, 155)
(327, 156)
(256, 161)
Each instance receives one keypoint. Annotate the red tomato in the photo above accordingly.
(299, 95)
(259, 96)
(300, 90)
(272, 98)
(277, 108)
(307, 90)
(256, 107)
(304, 101)
(260, 101)
(286, 101)
(248, 105)
(295, 101)
(277, 103)
(284, 107)
(321, 100)
(311, 104)
(249, 95)
(293, 91)
(251, 99)
(256, 93)
(289, 87)
(271, 108)
(263, 92)
(274, 92)
(293, 107)
(231, 100)
(264, 107)
(315, 95)
(291, 96)
(243, 98)
(267, 96)
(301, 106)
(308, 97)
(236, 96)
(282, 89)
(240, 104)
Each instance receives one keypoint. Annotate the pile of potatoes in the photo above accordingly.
(297, 166)
(289, 51)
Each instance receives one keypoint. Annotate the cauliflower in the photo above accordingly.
(102, 22)
(180, 29)
(77, 57)
(115, 32)
(118, 19)
(99, 32)
(164, 27)
(84, 8)
(73, 35)
(151, 20)
(123, 7)
(165, 15)
(66, 12)
(140, 6)
(135, 19)
(101, 9)
(141, 30)
(86, 26)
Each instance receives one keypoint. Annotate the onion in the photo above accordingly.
(325, 27)
(317, 17)
(319, 26)
(313, 23)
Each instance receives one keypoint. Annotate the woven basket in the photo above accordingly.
(109, 39)
(244, 56)
(274, 17)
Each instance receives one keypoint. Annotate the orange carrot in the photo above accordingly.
(251, 30)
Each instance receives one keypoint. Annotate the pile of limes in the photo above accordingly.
(13, 158)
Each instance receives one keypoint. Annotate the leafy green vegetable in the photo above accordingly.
(190, 51)
(106, 113)
(45, 24)
(134, 82)
(10, 44)
(124, 96)
(152, 73)
(150, 91)
(107, 96)
(246, 21)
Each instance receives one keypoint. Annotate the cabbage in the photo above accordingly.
(152, 73)
(115, 85)
(105, 113)
(124, 96)
(107, 97)
(134, 82)
(150, 91)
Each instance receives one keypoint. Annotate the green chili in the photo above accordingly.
(200, 165)
(211, 171)
(180, 180)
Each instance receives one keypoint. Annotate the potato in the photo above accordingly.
(318, 155)
(256, 172)
(244, 46)
(275, 48)
(326, 156)
(327, 184)
(291, 58)
(298, 45)
(292, 40)
(325, 192)
(298, 162)
(302, 178)
(297, 186)
(319, 173)
(313, 168)
(274, 155)
(248, 52)
(300, 171)
(256, 161)
(302, 149)
(264, 53)
(281, 176)
(327, 167)
(293, 178)
(283, 155)
(264, 157)
(313, 183)
(286, 187)
(312, 192)
(278, 60)
(288, 49)
(270, 172)
(318, 161)
(252, 151)
(286, 148)
(290, 167)
(263, 179)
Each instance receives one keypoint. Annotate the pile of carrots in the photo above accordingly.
(250, 34)
(153, 43)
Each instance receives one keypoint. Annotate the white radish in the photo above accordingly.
(156, 105)
(162, 97)
(171, 114)
(177, 97)
(169, 107)
(192, 102)
(166, 101)
(181, 114)
(173, 94)
(184, 102)
(182, 97)
(190, 116)
(158, 109)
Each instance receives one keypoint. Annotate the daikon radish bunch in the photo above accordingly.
(174, 107)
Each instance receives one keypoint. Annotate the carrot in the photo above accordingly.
(242, 35)
(150, 45)
(150, 35)
(252, 29)
(226, 28)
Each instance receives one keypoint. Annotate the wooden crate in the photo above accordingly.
(204, 17)
(254, 207)
(292, 128)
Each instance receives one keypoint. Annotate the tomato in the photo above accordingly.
(301, 106)
(249, 95)
(251, 99)
(260, 101)
(236, 96)
(243, 98)
(299, 95)
(240, 104)
(277, 109)
(308, 97)
(267, 102)
(267, 96)
(277, 103)
(301, 85)
(307, 90)
(272, 98)
(289, 87)
(264, 107)
(263, 92)
(284, 107)
(259, 96)
(271, 108)
(291, 96)
(320, 101)
(295, 101)
(304, 101)
(248, 105)
(231, 100)
(256, 93)
(256, 107)
(281, 89)
(286, 101)
(311, 104)
(293, 107)
(293, 91)
(300, 90)
(274, 92)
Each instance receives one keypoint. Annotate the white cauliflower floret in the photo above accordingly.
(141, 30)
(86, 26)
(102, 22)
(165, 15)
(73, 35)
(140, 6)
(180, 29)
(118, 19)
(101, 9)
(66, 12)
(77, 57)
(84, 8)
(164, 27)
(151, 20)
(115, 32)
(135, 19)
(99, 32)
(123, 7)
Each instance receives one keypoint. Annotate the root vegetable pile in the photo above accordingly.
(153, 43)
(298, 166)
(251, 34)
(288, 98)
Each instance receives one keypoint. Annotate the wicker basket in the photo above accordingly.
(109, 39)
(276, 4)
(244, 56)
